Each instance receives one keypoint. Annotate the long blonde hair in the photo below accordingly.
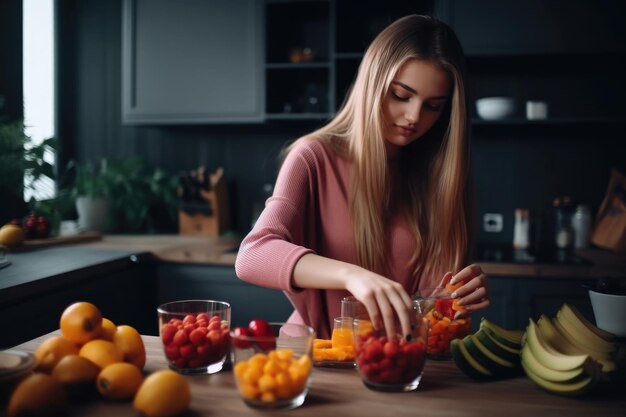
(435, 168)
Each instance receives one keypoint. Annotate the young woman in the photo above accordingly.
(375, 203)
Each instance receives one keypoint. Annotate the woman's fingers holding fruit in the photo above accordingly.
(474, 294)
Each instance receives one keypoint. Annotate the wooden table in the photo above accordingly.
(444, 391)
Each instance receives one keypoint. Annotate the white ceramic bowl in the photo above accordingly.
(495, 108)
(610, 312)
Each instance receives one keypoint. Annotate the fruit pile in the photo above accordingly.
(568, 355)
(195, 341)
(565, 355)
(30, 227)
(258, 335)
(386, 361)
(492, 352)
(93, 355)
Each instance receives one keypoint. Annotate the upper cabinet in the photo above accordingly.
(195, 61)
(313, 49)
(495, 27)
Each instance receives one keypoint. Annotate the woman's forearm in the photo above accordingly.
(314, 271)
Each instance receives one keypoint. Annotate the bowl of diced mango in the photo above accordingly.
(273, 369)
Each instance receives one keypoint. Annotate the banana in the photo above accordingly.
(583, 335)
(529, 361)
(547, 355)
(573, 315)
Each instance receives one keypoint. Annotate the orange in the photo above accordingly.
(78, 376)
(108, 330)
(51, 351)
(11, 235)
(81, 322)
(163, 393)
(75, 369)
(101, 352)
(119, 381)
(38, 394)
(129, 342)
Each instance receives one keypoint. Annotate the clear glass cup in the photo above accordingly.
(195, 335)
(274, 370)
(351, 307)
(391, 364)
(439, 308)
(339, 351)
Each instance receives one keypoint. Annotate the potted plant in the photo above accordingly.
(123, 196)
(92, 190)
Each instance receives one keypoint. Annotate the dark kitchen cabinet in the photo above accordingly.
(515, 300)
(190, 62)
(569, 54)
(123, 290)
(493, 27)
(186, 281)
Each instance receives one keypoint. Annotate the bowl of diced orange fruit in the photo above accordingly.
(272, 363)
(440, 309)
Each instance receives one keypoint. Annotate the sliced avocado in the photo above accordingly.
(511, 338)
(495, 364)
(466, 363)
(507, 353)
(517, 349)
(577, 386)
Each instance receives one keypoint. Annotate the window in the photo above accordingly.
(38, 84)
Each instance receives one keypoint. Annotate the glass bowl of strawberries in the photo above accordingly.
(195, 335)
(390, 363)
(440, 309)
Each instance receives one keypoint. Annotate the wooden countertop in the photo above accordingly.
(444, 391)
(176, 248)
(222, 251)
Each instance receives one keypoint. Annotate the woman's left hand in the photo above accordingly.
(474, 294)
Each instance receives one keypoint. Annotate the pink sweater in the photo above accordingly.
(308, 213)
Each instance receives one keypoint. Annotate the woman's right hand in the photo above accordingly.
(386, 301)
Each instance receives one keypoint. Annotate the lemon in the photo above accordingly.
(163, 393)
(11, 235)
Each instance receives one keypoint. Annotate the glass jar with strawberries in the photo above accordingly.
(440, 310)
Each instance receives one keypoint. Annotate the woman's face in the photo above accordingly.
(415, 100)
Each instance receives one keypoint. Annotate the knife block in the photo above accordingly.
(210, 216)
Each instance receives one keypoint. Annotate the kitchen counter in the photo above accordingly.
(444, 391)
(222, 251)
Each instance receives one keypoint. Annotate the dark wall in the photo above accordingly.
(11, 59)
(515, 166)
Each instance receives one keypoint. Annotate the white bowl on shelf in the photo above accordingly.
(610, 312)
(495, 108)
